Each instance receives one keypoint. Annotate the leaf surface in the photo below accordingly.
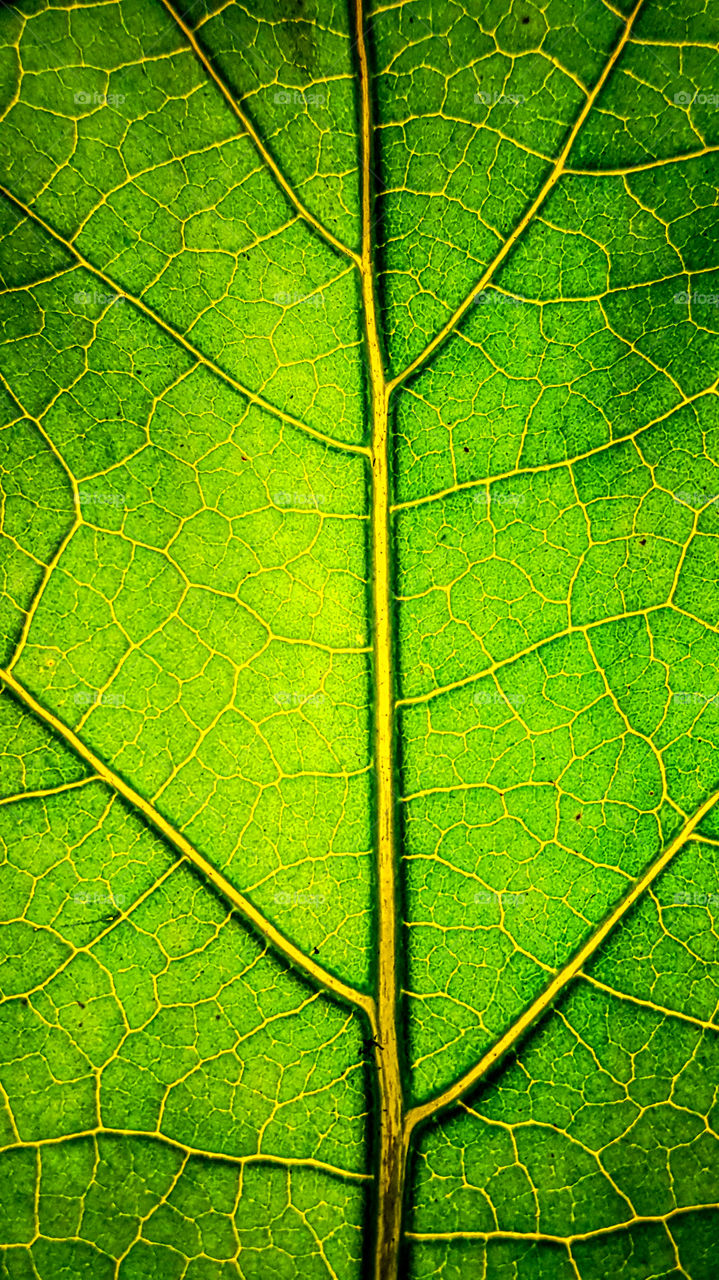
(359, 658)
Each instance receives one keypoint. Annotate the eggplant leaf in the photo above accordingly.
(359, 594)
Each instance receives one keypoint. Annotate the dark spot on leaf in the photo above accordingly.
(368, 1045)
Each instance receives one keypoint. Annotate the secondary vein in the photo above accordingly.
(305, 964)
(252, 133)
(180, 338)
(566, 975)
(524, 222)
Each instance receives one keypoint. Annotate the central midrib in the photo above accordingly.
(390, 1151)
(395, 1125)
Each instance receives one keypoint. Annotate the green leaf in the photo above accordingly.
(360, 663)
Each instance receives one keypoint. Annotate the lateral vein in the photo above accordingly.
(524, 222)
(175, 334)
(259, 922)
(570, 970)
(259, 145)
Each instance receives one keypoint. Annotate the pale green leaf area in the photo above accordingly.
(359, 631)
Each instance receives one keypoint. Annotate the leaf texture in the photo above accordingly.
(360, 657)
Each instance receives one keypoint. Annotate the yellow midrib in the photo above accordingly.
(390, 1145)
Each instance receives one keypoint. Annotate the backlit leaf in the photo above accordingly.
(360, 656)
